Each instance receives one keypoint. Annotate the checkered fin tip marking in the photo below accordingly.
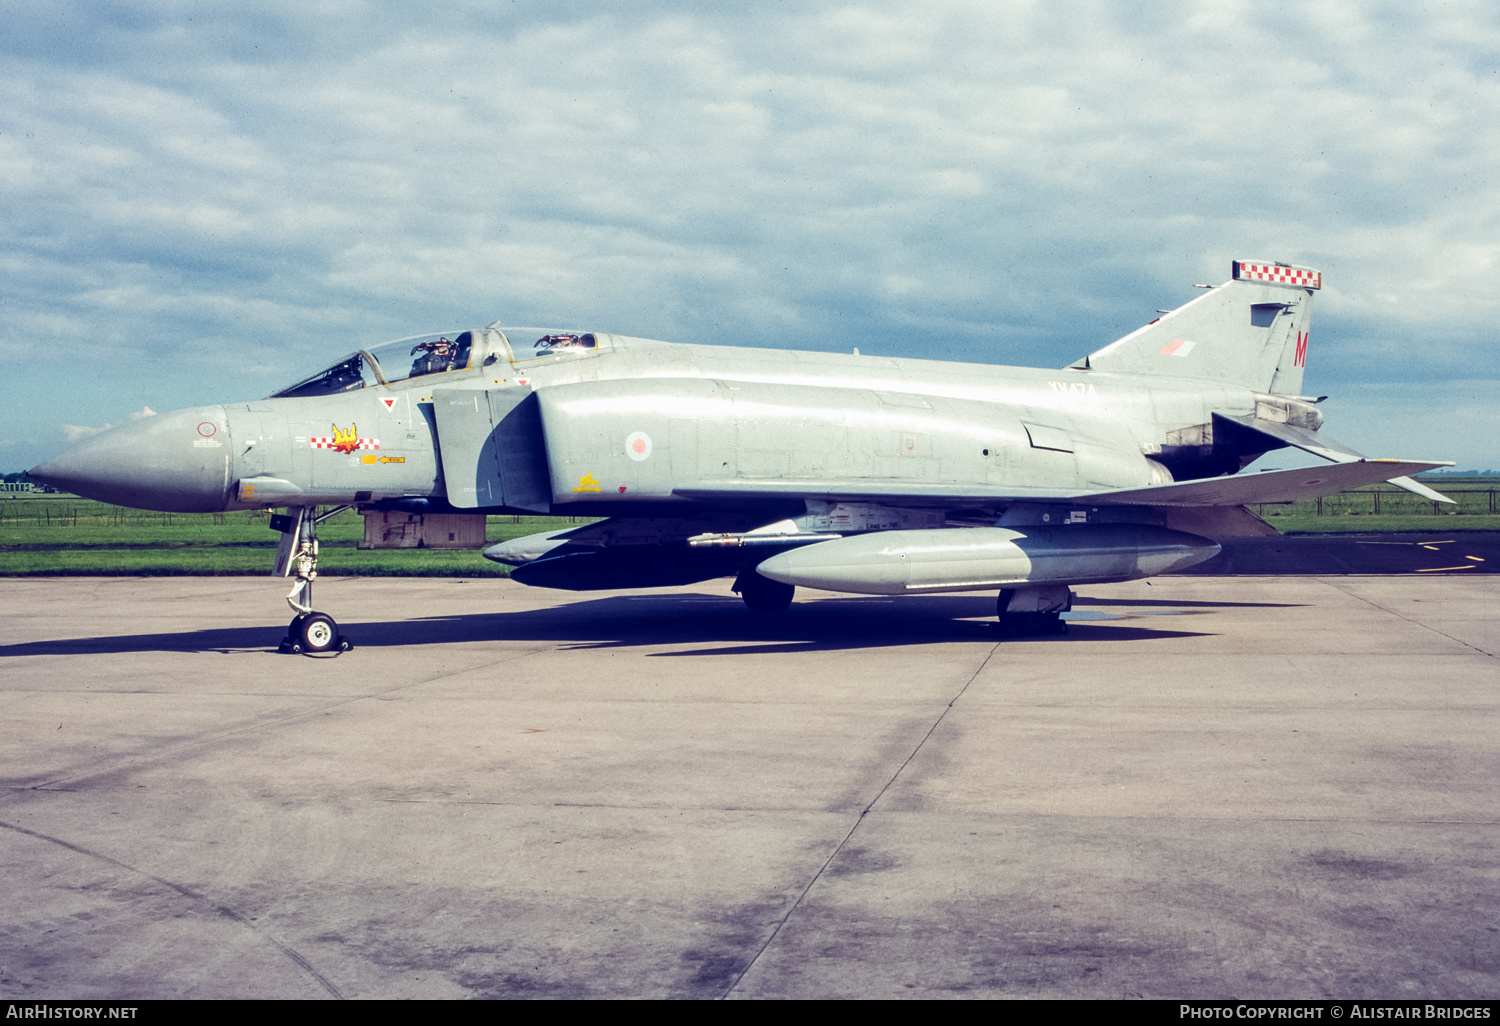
(1280, 274)
(330, 443)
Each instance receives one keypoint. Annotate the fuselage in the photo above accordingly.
(628, 422)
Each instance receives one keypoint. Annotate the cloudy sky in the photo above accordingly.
(202, 202)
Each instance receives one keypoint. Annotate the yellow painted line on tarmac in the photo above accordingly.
(1425, 545)
(1436, 569)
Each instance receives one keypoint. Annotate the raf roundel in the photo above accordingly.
(638, 445)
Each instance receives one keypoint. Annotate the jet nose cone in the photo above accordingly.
(175, 461)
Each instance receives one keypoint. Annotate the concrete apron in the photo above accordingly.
(1278, 787)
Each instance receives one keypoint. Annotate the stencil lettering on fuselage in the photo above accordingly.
(1074, 391)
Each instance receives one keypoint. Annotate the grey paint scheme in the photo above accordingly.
(636, 427)
(492, 448)
(283, 430)
(727, 418)
(985, 558)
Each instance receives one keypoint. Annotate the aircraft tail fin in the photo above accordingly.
(1251, 331)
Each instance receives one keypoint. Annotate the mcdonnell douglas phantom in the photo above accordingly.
(852, 473)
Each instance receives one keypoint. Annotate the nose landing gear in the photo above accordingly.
(310, 632)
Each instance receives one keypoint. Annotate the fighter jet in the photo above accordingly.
(853, 473)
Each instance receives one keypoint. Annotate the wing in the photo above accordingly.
(1235, 490)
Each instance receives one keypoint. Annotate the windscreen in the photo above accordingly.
(351, 372)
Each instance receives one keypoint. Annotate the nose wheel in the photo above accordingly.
(310, 632)
(313, 634)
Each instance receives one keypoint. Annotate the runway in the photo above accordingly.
(1211, 787)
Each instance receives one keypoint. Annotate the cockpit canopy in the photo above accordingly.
(388, 363)
(422, 355)
(553, 343)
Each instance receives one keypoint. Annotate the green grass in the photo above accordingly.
(58, 534)
(52, 534)
(1365, 524)
(1382, 508)
(207, 561)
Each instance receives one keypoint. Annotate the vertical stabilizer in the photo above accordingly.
(1251, 331)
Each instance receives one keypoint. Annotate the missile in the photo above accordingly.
(981, 558)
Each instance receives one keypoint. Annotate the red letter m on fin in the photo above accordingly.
(1300, 359)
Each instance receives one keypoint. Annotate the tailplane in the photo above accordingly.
(1251, 331)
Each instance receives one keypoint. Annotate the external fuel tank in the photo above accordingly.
(982, 558)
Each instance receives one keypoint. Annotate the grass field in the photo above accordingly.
(1384, 508)
(55, 534)
(51, 534)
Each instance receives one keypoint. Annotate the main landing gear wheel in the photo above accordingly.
(1026, 625)
(762, 595)
(1022, 624)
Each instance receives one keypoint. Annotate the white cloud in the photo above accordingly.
(1015, 183)
(74, 432)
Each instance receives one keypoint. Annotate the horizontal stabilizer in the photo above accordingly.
(1298, 438)
(1326, 448)
(1417, 488)
(1268, 486)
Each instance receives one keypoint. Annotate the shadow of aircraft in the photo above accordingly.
(644, 621)
(1083, 601)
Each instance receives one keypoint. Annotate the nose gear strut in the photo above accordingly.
(310, 632)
